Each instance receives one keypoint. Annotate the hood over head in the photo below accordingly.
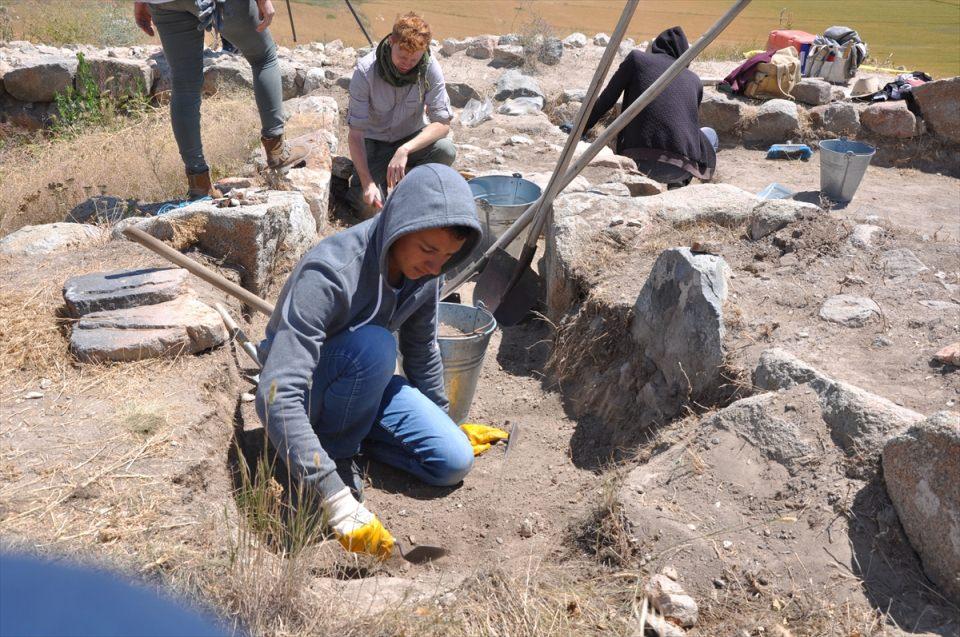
(672, 42)
(429, 196)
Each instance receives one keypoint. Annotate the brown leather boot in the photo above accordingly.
(199, 186)
(281, 155)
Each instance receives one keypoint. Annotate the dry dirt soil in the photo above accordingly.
(136, 465)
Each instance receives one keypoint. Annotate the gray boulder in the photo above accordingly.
(860, 422)
(163, 330)
(678, 324)
(573, 95)
(939, 103)
(890, 119)
(762, 422)
(849, 310)
(840, 118)
(777, 121)
(223, 70)
(122, 77)
(40, 79)
(771, 215)
(508, 38)
(314, 79)
(717, 203)
(460, 93)
(575, 40)
(50, 237)
(507, 56)
(453, 45)
(253, 237)
(551, 51)
(314, 185)
(901, 264)
(638, 184)
(482, 47)
(779, 369)
(812, 91)
(863, 235)
(921, 469)
(721, 112)
(514, 84)
(601, 39)
(123, 289)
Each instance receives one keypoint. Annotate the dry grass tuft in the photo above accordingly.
(45, 179)
(606, 534)
(31, 330)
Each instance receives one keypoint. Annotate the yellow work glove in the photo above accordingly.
(481, 437)
(357, 530)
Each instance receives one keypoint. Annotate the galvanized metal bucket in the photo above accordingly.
(501, 199)
(842, 166)
(463, 355)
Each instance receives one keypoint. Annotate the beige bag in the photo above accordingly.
(777, 77)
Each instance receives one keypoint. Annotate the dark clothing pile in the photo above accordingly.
(668, 129)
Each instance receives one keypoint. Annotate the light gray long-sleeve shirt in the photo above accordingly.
(389, 113)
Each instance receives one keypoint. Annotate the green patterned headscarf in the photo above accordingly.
(390, 74)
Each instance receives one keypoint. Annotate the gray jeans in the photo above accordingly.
(379, 155)
(176, 24)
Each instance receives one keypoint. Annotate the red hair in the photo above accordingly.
(411, 33)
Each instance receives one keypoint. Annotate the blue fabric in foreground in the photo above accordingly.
(41, 598)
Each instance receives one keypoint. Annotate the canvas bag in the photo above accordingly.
(836, 55)
(777, 77)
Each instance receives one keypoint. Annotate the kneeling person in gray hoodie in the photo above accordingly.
(328, 388)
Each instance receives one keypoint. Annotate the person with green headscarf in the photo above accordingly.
(399, 114)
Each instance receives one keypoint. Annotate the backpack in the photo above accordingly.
(775, 78)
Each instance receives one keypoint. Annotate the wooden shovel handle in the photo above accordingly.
(152, 243)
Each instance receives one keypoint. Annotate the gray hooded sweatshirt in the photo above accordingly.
(341, 284)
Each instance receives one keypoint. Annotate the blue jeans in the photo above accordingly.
(357, 401)
(176, 24)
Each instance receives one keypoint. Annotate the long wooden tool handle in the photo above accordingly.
(615, 127)
(152, 243)
(573, 140)
(293, 29)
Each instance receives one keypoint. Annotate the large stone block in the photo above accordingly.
(460, 93)
(813, 91)
(721, 112)
(163, 330)
(890, 119)
(840, 118)
(50, 237)
(575, 40)
(921, 469)
(253, 237)
(940, 107)
(453, 45)
(678, 324)
(121, 77)
(314, 185)
(508, 56)
(777, 121)
(551, 51)
(771, 215)
(40, 79)
(123, 289)
(481, 47)
(514, 84)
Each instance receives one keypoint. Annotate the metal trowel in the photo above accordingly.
(422, 553)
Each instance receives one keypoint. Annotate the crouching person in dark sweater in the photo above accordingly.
(665, 138)
(328, 388)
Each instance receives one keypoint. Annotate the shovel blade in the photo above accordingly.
(509, 306)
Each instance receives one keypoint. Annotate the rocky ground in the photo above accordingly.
(728, 407)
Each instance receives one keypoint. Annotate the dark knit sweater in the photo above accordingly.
(668, 129)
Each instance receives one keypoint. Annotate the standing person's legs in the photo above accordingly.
(352, 373)
(183, 48)
(413, 434)
(240, 20)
